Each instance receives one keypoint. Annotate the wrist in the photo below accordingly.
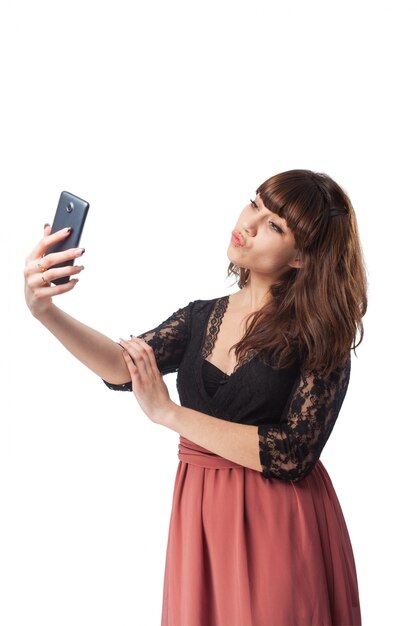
(43, 314)
(171, 415)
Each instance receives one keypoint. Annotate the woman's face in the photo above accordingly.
(262, 241)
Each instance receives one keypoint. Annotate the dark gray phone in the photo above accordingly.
(71, 211)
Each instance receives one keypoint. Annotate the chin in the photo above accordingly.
(231, 256)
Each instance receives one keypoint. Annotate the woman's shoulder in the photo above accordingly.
(207, 301)
(204, 305)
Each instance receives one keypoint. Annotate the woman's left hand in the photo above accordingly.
(147, 384)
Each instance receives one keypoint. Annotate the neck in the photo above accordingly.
(255, 294)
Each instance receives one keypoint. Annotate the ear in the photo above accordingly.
(296, 262)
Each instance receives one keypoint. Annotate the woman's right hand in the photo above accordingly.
(38, 288)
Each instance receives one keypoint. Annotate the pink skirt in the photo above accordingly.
(248, 551)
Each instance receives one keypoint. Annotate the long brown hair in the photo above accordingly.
(316, 311)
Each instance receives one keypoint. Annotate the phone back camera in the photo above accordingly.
(69, 207)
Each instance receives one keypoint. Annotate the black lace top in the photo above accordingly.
(295, 412)
(213, 377)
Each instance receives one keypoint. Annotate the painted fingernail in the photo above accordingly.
(69, 229)
(82, 251)
(45, 225)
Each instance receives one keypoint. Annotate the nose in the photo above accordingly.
(249, 228)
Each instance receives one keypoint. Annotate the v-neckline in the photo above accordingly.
(216, 368)
(211, 331)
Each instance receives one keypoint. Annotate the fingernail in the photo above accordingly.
(82, 251)
(80, 267)
(132, 335)
(69, 229)
(45, 225)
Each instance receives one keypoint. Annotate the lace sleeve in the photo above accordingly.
(168, 341)
(290, 450)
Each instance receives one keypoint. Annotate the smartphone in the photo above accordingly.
(71, 211)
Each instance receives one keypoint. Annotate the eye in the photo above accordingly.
(254, 205)
(276, 227)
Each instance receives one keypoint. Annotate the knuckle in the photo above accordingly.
(36, 295)
(30, 281)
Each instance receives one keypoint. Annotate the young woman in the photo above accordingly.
(257, 536)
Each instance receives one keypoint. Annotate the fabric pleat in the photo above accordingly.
(244, 550)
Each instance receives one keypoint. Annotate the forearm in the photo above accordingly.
(237, 442)
(99, 353)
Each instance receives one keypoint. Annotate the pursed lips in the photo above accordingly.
(237, 238)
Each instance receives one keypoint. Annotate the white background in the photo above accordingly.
(166, 116)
